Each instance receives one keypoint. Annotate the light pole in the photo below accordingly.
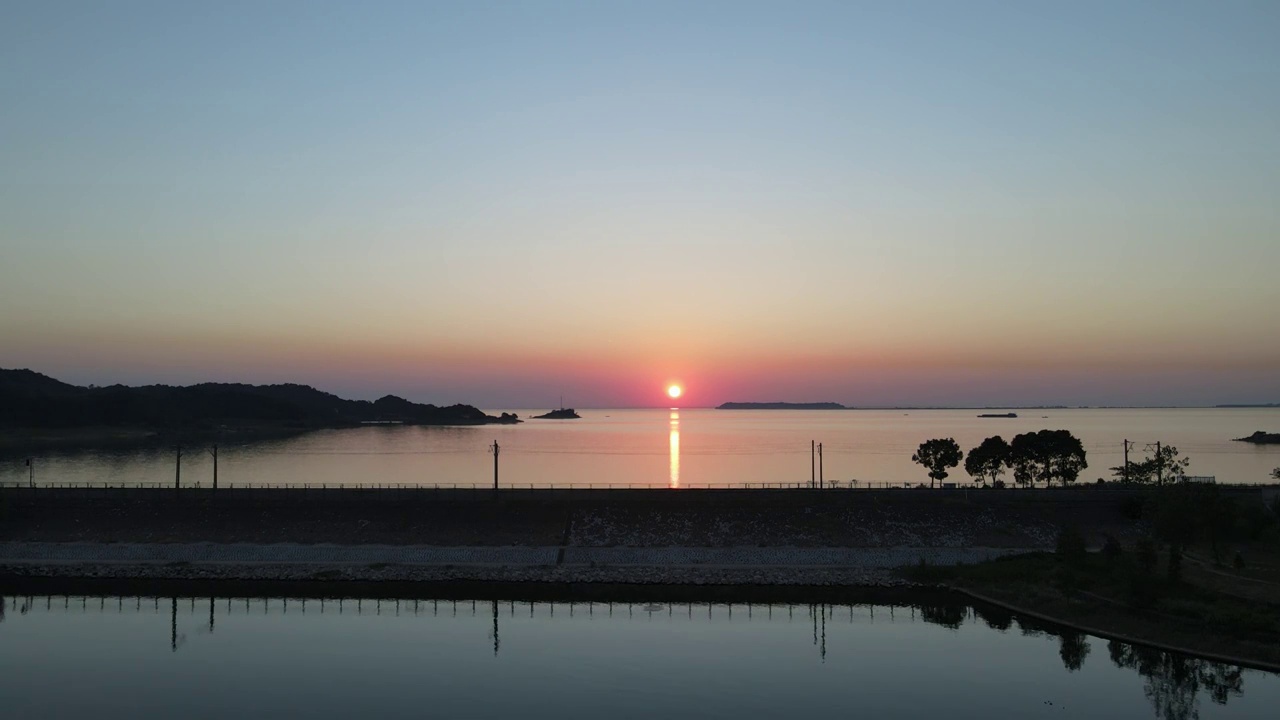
(495, 450)
(820, 483)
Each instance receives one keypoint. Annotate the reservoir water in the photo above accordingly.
(673, 448)
(219, 657)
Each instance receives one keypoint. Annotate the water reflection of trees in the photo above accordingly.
(1073, 649)
(948, 616)
(1173, 682)
(996, 618)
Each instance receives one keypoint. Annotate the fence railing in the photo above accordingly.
(829, 485)
(450, 486)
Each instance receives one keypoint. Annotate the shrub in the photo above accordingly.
(1111, 549)
(1241, 619)
(1145, 554)
(1065, 579)
(1131, 507)
(1142, 593)
(1175, 564)
(1071, 546)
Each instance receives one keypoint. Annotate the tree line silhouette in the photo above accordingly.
(1046, 456)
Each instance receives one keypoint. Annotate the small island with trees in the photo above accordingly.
(1261, 438)
(561, 414)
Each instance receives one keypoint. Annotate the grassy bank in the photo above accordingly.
(1116, 595)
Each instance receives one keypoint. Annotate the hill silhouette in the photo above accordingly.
(29, 399)
(780, 406)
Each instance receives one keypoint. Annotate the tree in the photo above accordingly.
(988, 460)
(1134, 472)
(1167, 466)
(1276, 473)
(938, 455)
(1046, 456)
(1164, 465)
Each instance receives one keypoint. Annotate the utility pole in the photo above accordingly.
(820, 466)
(1159, 466)
(177, 469)
(813, 476)
(495, 450)
(31, 472)
(214, 453)
(1126, 461)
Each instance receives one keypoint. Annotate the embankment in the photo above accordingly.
(633, 537)
(573, 518)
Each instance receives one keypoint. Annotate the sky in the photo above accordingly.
(500, 203)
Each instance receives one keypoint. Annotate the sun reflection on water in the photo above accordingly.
(675, 449)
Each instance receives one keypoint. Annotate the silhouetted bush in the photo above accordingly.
(1111, 549)
(1146, 556)
(1132, 507)
(1142, 592)
(1065, 579)
(1175, 564)
(1252, 519)
(1070, 546)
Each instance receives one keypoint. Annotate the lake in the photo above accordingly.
(127, 657)
(676, 448)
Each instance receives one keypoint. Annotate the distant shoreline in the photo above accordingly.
(780, 406)
(39, 411)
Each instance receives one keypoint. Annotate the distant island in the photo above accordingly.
(561, 414)
(1261, 438)
(36, 404)
(780, 406)
(1253, 405)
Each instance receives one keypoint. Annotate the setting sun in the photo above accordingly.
(674, 391)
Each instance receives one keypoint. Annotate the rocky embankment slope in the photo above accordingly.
(837, 537)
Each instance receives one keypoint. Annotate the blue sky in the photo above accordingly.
(873, 203)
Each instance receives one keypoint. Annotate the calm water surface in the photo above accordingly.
(679, 448)
(112, 657)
